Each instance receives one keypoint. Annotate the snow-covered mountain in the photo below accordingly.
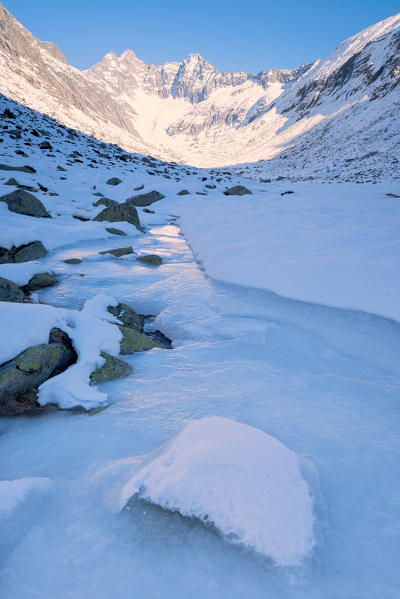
(334, 119)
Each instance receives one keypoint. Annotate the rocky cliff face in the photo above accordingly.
(191, 112)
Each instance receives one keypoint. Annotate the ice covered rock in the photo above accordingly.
(236, 477)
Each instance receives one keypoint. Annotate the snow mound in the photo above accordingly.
(14, 492)
(238, 478)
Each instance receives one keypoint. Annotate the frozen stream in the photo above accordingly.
(325, 382)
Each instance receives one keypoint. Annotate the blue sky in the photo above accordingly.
(250, 35)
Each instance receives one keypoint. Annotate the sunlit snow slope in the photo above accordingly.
(332, 120)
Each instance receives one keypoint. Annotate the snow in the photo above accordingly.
(236, 477)
(14, 492)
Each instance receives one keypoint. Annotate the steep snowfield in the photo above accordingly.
(333, 120)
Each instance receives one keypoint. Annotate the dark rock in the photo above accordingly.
(105, 202)
(120, 213)
(56, 335)
(84, 219)
(148, 211)
(393, 195)
(30, 251)
(61, 168)
(35, 133)
(113, 368)
(114, 181)
(72, 261)
(118, 252)
(133, 341)
(284, 193)
(183, 192)
(151, 259)
(160, 338)
(8, 114)
(237, 190)
(127, 316)
(12, 182)
(145, 199)
(22, 202)
(10, 292)
(115, 231)
(42, 187)
(45, 145)
(21, 169)
(139, 188)
(40, 281)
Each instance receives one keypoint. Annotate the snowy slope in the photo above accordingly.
(333, 120)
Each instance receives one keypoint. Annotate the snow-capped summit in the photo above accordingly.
(337, 114)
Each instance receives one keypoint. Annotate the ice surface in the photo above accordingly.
(13, 492)
(234, 476)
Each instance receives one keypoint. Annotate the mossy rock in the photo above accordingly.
(127, 316)
(118, 252)
(114, 231)
(72, 261)
(41, 280)
(151, 259)
(10, 292)
(132, 341)
(113, 368)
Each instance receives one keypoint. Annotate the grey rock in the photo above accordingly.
(117, 252)
(10, 292)
(12, 182)
(151, 259)
(21, 169)
(145, 199)
(120, 213)
(114, 231)
(72, 261)
(105, 202)
(22, 202)
(183, 192)
(237, 190)
(45, 145)
(41, 281)
(114, 181)
(31, 251)
(127, 316)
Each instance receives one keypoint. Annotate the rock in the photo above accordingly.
(120, 213)
(118, 252)
(115, 231)
(35, 133)
(83, 219)
(40, 281)
(284, 193)
(45, 145)
(22, 202)
(105, 202)
(114, 181)
(139, 188)
(148, 211)
(10, 292)
(237, 190)
(61, 168)
(21, 169)
(8, 114)
(392, 195)
(152, 259)
(21, 377)
(145, 199)
(183, 192)
(209, 186)
(12, 181)
(161, 339)
(72, 261)
(30, 251)
(132, 341)
(127, 316)
(113, 368)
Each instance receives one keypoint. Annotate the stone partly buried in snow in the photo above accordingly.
(118, 252)
(113, 368)
(145, 199)
(127, 316)
(115, 231)
(21, 169)
(237, 190)
(22, 202)
(21, 377)
(72, 261)
(22, 253)
(183, 192)
(119, 213)
(151, 259)
(10, 292)
(41, 281)
(132, 341)
(107, 202)
(114, 181)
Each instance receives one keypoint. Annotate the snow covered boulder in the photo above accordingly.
(22, 202)
(235, 477)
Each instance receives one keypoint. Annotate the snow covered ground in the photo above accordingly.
(308, 361)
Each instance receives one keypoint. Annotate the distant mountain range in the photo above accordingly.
(335, 119)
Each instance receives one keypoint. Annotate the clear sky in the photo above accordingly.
(249, 35)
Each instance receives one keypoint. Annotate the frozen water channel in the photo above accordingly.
(324, 382)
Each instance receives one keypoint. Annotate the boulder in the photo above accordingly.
(118, 252)
(40, 281)
(61, 168)
(145, 199)
(151, 259)
(30, 251)
(237, 190)
(133, 341)
(127, 316)
(148, 211)
(72, 261)
(114, 181)
(22, 202)
(113, 368)
(45, 145)
(105, 202)
(10, 292)
(21, 169)
(115, 231)
(120, 213)
(21, 377)
(183, 192)
(12, 182)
